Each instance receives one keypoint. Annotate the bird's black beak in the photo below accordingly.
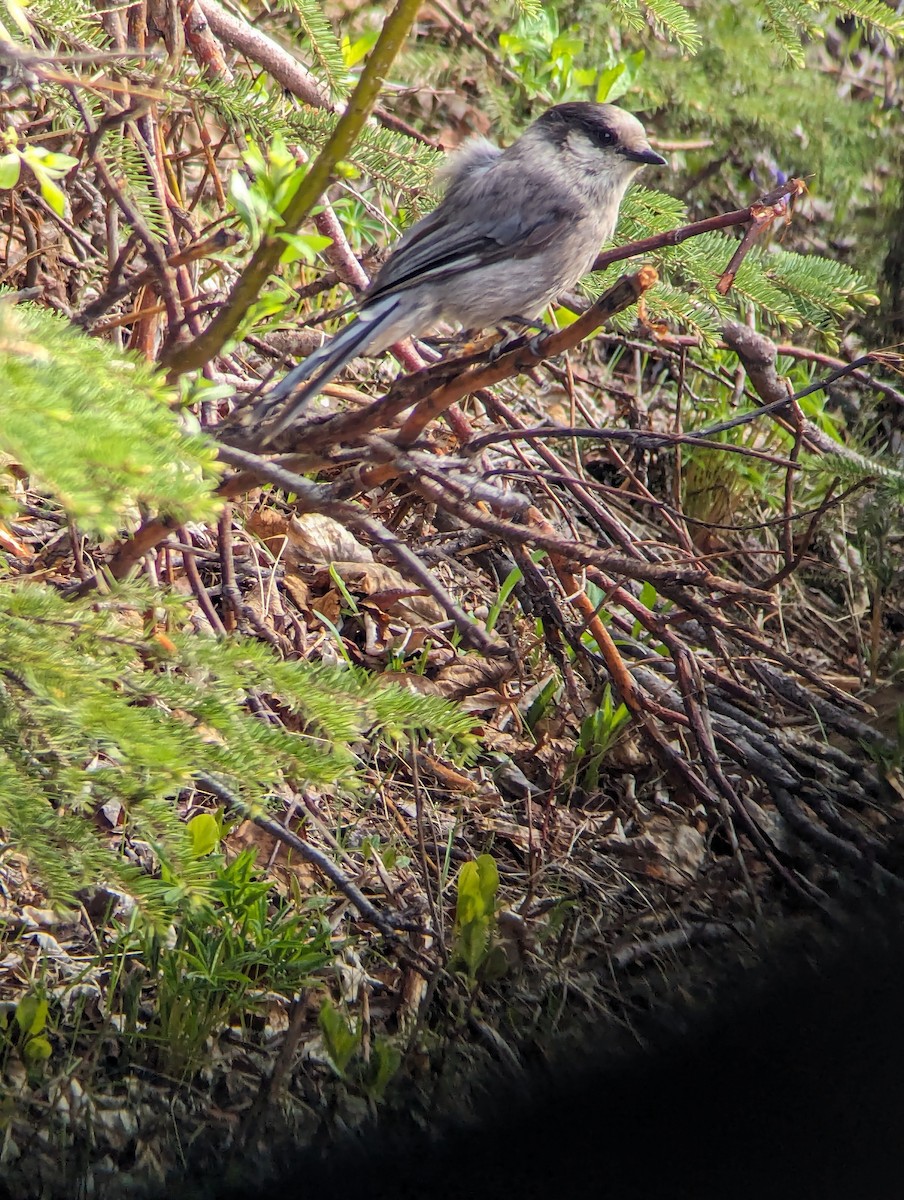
(648, 156)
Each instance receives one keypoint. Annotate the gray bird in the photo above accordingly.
(515, 229)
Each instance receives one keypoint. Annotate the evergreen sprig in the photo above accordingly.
(94, 427)
(789, 22)
(324, 44)
(128, 165)
(73, 23)
(98, 710)
(669, 17)
(250, 110)
(383, 155)
(785, 289)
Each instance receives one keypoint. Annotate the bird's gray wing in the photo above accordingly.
(440, 245)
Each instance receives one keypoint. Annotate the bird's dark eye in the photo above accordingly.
(599, 134)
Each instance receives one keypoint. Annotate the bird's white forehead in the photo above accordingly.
(627, 126)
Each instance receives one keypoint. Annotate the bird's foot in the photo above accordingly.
(529, 323)
(510, 340)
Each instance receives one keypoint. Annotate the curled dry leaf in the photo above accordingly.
(309, 538)
(388, 590)
(319, 539)
(271, 527)
(469, 675)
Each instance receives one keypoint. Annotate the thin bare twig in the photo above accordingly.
(382, 921)
(674, 237)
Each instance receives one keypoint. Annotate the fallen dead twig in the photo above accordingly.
(380, 920)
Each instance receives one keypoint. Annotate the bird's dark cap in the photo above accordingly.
(606, 125)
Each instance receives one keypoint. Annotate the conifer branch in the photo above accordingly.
(265, 259)
(775, 199)
(283, 66)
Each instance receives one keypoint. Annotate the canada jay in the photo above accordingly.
(514, 230)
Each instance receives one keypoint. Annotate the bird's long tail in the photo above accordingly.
(324, 364)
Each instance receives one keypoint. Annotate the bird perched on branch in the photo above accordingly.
(515, 229)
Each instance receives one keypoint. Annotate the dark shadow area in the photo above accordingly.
(788, 1081)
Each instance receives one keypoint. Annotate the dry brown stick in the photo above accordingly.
(621, 293)
(667, 576)
(770, 774)
(807, 758)
(773, 776)
(827, 360)
(625, 292)
(835, 715)
(149, 139)
(210, 163)
(761, 217)
(285, 68)
(214, 244)
(835, 848)
(743, 725)
(786, 535)
(758, 354)
(637, 439)
(692, 934)
(247, 285)
(232, 597)
(157, 529)
(747, 727)
(148, 537)
(581, 490)
(271, 1087)
(443, 383)
(133, 317)
(312, 497)
(206, 50)
(889, 358)
(310, 854)
(825, 805)
(339, 253)
(262, 49)
(765, 651)
(164, 277)
(578, 598)
(646, 710)
(81, 246)
(619, 495)
(693, 697)
(200, 591)
(794, 558)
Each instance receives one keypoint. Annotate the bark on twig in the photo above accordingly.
(674, 237)
(267, 53)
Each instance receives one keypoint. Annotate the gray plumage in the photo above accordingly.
(515, 229)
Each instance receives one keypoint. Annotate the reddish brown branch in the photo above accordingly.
(758, 354)
(207, 51)
(283, 66)
(761, 218)
(442, 384)
(674, 237)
